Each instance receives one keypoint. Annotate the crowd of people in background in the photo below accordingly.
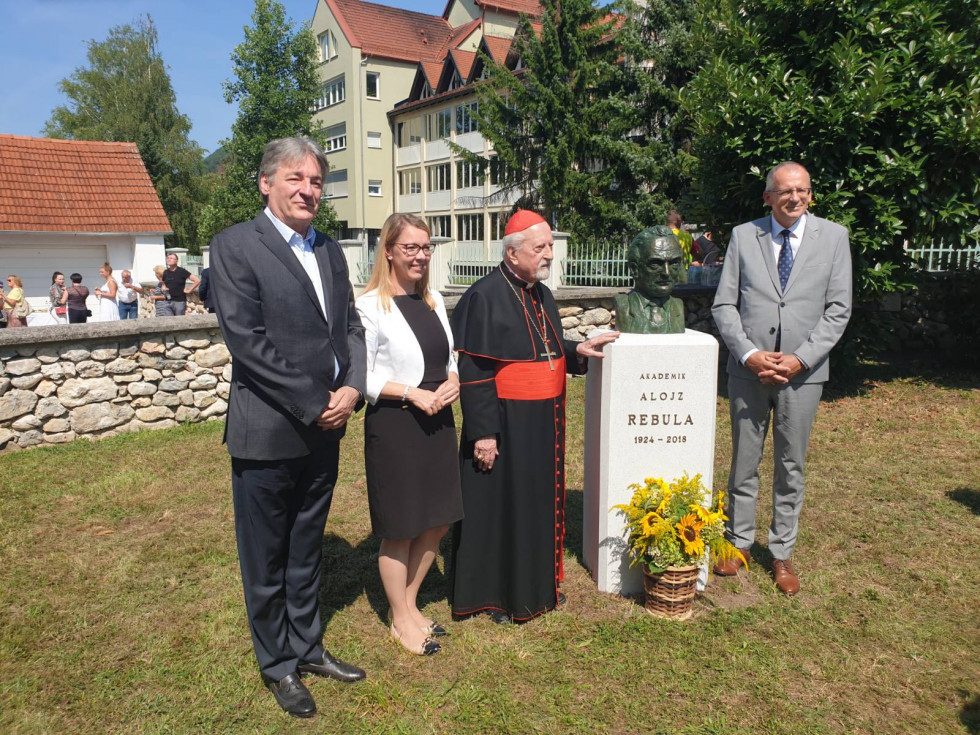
(117, 299)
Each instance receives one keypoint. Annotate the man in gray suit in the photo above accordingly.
(782, 303)
(286, 309)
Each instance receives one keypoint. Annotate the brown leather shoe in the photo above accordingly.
(730, 567)
(786, 580)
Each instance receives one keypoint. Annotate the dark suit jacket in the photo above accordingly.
(282, 344)
(204, 290)
(751, 308)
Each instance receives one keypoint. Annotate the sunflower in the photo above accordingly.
(689, 532)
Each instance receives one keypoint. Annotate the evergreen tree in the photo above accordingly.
(275, 86)
(590, 127)
(125, 95)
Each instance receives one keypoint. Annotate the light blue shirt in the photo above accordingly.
(302, 248)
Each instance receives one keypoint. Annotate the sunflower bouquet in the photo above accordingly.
(670, 527)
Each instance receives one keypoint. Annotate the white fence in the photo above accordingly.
(942, 256)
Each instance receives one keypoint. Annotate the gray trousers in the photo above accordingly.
(173, 308)
(791, 409)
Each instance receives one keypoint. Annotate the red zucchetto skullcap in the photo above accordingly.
(521, 220)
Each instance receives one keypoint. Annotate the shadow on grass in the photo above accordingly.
(350, 570)
(966, 496)
(970, 712)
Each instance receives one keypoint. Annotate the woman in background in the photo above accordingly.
(409, 433)
(108, 306)
(74, 299)
(58, 312)
(160, 295)
(13, 302)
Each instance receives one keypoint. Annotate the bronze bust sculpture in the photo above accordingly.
(656, 263)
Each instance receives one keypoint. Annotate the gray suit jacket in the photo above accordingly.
(750, 308)
(282, 344)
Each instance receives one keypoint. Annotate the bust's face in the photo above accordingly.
(657, 264)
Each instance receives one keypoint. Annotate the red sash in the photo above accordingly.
(530, 381)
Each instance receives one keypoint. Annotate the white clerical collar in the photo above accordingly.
(288, 232)
(524, 284)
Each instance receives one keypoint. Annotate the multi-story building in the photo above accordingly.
(396, 87)
(460, 200)
(368, 58)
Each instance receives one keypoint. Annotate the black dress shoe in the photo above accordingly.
(292, 695)
(332, 668)
(500, 617)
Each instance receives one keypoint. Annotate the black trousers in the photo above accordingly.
(281, 509)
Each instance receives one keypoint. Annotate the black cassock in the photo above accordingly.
(507, 550)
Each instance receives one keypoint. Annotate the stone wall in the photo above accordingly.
(89, 381)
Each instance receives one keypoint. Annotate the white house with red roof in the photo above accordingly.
(70, 206)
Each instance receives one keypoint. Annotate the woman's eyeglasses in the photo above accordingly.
(411, 250)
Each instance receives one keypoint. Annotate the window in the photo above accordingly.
(465, 122)
(373, 85)
(410, 181)
(456, 82)
(336, 138)
(326, 46)
(498, 222)
(442, 124)
(469, 227)
(373, 140)
(439, 177)
(500, 173)
(374, 187)
(441, 225)
(410, 132)
(335, 185)
(468, 174)
(331, 93)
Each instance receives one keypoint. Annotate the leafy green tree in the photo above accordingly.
(880, 100)
(275, 86)
(125, 95)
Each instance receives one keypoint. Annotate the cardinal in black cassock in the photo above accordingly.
(507, 550)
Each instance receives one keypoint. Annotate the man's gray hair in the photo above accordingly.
(513, 241)
(771, 176)
(289, 150)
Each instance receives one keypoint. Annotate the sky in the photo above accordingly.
(44, 41)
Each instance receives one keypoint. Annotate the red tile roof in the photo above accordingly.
(462, 32)
(464, 62)
(529, 7)
(49, 185)
(432, 70)
(391, 33)
(497, 47)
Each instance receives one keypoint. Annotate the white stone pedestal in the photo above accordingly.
(649, 412)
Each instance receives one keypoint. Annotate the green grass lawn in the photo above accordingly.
(121, 605)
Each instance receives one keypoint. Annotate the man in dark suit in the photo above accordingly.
(204, 290)
(783, 302)
(286, 309)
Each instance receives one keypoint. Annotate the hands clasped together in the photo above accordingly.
(431, 402)
(774, 368)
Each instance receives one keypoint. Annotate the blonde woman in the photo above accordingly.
(409, 433)
(13, 302)
(160, 295)
(108, 306)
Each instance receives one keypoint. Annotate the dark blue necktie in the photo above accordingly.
(785, 264)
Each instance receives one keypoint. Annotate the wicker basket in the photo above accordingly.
(670, 594)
